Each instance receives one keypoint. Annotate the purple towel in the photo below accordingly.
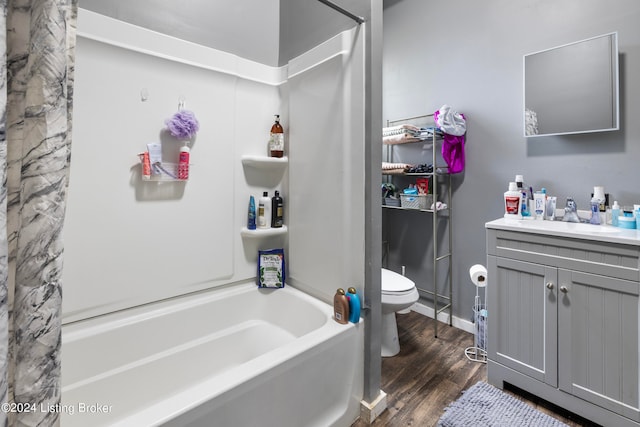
(453, 145)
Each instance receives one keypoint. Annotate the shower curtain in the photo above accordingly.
(36, 88)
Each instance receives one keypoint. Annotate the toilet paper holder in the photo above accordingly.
(478, 353)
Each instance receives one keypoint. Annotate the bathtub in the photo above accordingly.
(239, 356)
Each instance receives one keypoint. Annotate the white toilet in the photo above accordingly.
(398, 293)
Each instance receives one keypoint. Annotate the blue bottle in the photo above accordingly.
(354, 305)
(251, 215)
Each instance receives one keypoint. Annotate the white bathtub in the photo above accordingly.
(237, 357)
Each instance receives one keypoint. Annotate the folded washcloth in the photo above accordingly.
(400, 129)
(391, 166)
(400, 139)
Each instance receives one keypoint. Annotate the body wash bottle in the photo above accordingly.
(183, 162)
(354, 305)
(341, 307)
(277, 211)
(264, 211)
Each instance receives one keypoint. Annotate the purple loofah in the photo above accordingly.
(183, 124)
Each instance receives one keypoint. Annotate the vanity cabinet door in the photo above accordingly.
(522, 317)
(598, 340)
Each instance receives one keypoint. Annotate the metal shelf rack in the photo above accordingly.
(441, 301)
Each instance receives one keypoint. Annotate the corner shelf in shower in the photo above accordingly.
(264, 232)
(265, 162)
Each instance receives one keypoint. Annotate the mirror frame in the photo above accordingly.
(582, 88)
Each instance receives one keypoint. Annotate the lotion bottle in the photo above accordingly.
(354, 305)
(615, 213)
(183, 162)
(341, 307)
(513, 202)
(264, 211)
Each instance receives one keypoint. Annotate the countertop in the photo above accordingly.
(602, 233)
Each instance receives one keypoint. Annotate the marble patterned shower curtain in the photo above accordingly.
(36, 89)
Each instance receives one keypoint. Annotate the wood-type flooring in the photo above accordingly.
(429, 373)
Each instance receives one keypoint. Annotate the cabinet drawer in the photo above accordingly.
(607, 259)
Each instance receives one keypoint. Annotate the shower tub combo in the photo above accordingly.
(237, 356)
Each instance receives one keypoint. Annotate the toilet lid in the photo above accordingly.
(394, 282)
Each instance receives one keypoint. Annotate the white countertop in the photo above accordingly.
(602, 233)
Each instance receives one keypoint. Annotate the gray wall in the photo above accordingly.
(469, 55)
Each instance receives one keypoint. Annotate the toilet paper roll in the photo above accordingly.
(478, 275)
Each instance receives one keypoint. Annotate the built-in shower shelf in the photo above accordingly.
(264, 232)
(265, 162)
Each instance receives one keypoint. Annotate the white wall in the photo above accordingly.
(129, 242)
(327, 170)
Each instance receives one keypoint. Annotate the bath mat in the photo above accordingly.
(487, 406)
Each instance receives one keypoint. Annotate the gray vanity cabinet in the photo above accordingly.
(563, 322)
(522, 332)
(598, 340)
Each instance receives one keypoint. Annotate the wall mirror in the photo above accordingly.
(572, 88)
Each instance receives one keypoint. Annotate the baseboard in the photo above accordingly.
(465, 325)
(369, 411)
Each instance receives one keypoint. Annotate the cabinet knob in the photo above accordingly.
(564, 289)
(549, 285)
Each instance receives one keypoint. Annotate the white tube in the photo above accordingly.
(539, 199)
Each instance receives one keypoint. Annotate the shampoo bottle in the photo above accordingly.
(615, 213)
(264, 211)
(354, 305)
(341, 307)
(183, 162)
(251, 216)
(512, 202)
(276, 139)
(277, 211)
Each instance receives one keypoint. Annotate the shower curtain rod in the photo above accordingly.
(334, 6)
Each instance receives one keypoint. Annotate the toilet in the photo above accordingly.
(398, 294)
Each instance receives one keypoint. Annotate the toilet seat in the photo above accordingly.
(396, 284)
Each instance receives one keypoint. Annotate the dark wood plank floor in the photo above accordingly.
(429, 373)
